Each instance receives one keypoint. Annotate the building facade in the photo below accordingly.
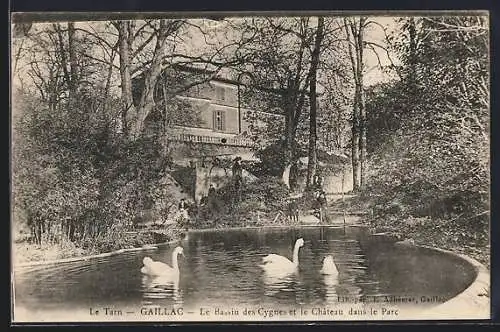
(208, 120)
(215, 110)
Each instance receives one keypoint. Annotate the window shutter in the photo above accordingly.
(223, 120)
(214, 120)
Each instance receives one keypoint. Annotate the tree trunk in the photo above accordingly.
(312, 162)
(73, 63)
(128, 108)
(147, 103)
(134, 117)
(355, 147)
(413, 53)
(350, 31)
(361, 104)
(289, 139)
(64, 60)
(107, 87)
(358, 142)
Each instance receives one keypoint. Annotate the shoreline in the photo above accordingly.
(156, 245)
(88, 257)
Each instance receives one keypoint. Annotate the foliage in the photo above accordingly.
(429, 130)
(76, 178)
(186, 177)
(271, 160)
(270, 190)
(464, 235)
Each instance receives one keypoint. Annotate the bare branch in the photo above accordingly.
(454, 28)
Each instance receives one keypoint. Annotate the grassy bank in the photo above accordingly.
(462, 234)
(24, 250)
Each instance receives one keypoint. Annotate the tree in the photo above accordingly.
(279, 57)
(75, 175)
(135, 115)
(435, 119)
(311, 166)
(355, 34)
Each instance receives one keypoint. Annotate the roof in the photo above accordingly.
(218, 76)
(194, 69)
(325, 157)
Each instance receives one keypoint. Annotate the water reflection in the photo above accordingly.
(273, 284)
(161, 287)
(331, 284)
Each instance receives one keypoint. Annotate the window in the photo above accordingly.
(219, 120)
(220, 93)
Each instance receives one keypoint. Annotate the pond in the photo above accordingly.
(220, 274)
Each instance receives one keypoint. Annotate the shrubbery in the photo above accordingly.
(272, 160)
(77, 179)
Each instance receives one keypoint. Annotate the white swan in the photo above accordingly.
(276, 264)
(329, 266)
(153, 268)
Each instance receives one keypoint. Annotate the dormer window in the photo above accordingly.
(220, 93)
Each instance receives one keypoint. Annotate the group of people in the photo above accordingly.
(319, 202)
(210, 201)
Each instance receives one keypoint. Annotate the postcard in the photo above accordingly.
(210, 167)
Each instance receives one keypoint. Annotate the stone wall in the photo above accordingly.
(333, 181)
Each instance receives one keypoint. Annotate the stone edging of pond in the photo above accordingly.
(85, 258)
(471, 303)
(196, 230)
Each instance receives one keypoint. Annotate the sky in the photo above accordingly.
(192, 43)
(374, 33)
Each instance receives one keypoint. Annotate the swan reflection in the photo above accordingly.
(161, 287)
(331, 284)
(274, 284)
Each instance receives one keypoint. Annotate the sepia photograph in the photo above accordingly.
(264, 167)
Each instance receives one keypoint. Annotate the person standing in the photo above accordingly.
(212, 199)
(237, 171)
(322, 203)
(183, 209)
(293, 208)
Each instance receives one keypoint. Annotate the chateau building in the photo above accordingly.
(214, 111)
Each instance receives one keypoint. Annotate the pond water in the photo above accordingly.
(221, 270)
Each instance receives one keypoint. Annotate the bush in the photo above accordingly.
(260, 200)
(77, 179)
(186, 177)
(272, 160)
(269, 190)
